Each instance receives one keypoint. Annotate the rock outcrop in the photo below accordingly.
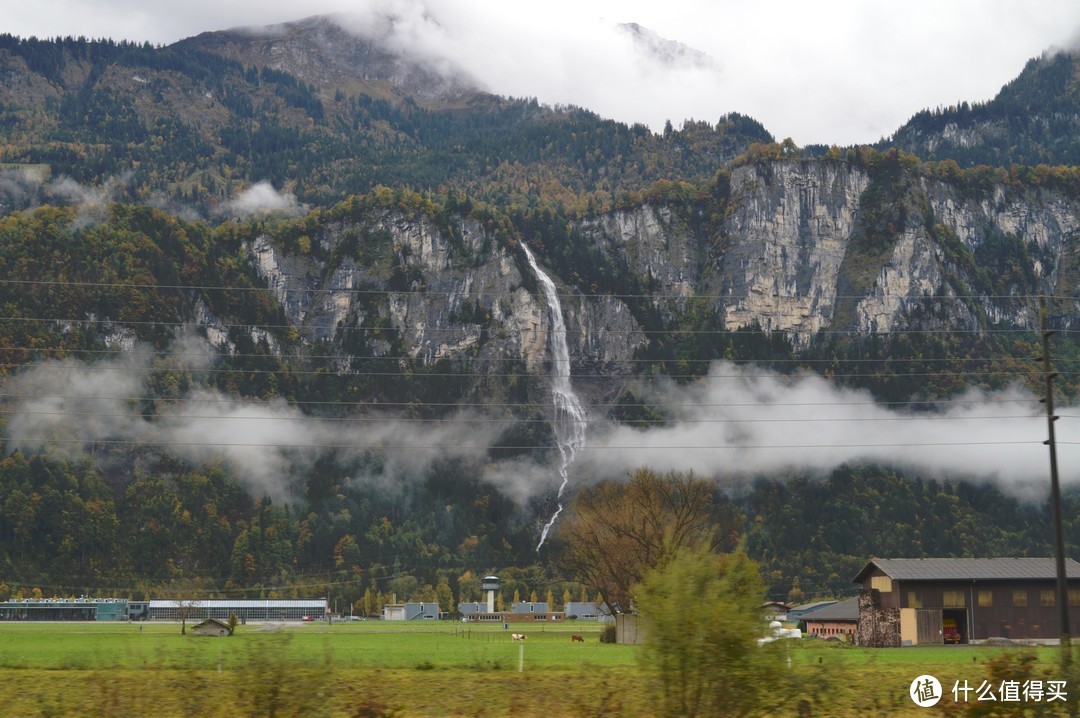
(796, 252)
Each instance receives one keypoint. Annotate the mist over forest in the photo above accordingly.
(273, 333)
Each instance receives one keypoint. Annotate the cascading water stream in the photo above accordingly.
(570, 418)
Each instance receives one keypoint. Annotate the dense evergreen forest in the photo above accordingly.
(1033, 120)
(258, 124)
(86, 283)
(130, 517)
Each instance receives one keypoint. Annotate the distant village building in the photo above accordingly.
(518, 613)
(588, 611)
(924, 601)
(775, 611)
(472, 609)
(799, 613)
(532, 611)
(529, 612)
(411, 611)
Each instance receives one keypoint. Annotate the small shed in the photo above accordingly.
(628, 629)
(210, 627)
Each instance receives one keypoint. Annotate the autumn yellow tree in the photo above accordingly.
(617, 531)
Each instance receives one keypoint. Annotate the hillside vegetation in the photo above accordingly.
(381, 309)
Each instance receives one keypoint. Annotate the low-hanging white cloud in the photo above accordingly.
(262, 198)
(737, 423)
(31, 186)
(67, 407)
(743, 421)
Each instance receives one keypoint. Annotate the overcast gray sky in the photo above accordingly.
(832, 71)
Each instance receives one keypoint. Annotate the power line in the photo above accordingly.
(537, 328)
(1012, 298)
(712, 376)
(511, 405)
(459, 420)
(501, 447)
(493, 359)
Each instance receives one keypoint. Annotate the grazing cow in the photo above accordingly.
(577, 638)
(518, 636)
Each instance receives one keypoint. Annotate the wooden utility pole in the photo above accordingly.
(1055, 486)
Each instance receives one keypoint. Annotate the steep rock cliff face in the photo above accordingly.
(964, 251)
(785, 244)
(649, 242)
(415, 290)
(797, 233)
(801, 248)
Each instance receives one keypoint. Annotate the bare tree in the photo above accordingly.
(186, 594)
(184, 607)
(617, 531)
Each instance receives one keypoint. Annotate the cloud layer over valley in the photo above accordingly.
(743, 421)
(737, 423)
(69, 408)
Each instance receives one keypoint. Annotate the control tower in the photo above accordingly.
(490, 585)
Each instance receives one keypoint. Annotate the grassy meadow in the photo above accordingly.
(438, 669)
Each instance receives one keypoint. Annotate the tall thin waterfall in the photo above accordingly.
(570, 419)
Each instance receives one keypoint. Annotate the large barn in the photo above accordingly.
(918, 601)
(248, 609)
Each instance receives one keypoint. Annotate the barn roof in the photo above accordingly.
(316, 603)
(814, 607)
(968, 569)
(847, 610)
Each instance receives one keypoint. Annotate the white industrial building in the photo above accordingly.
(246, 609)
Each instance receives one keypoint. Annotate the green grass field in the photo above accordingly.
(443, 669)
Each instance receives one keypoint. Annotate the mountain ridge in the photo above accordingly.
(1034, 119)
(394, 294)
(334, 52)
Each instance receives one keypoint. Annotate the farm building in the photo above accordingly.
(64, 609)
(250, 609)
(837, 619)
(210, 627)
(962, 600)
